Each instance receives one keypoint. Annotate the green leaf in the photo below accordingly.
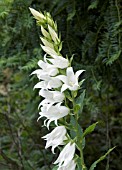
(79, 101)
(93, 5)
(113, 58)
(89, 129)
(79, 164)
(71, 15)
(100, 159)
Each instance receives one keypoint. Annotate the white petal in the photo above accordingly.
(70, 166)
(64, 87)
(38, 71)
(78, 73)
(66, 155)
(40, 85)
(74, 88)
(58, 96)
(55, 83)
(62, 78)
(70, 75)
(60, 62)
(56, 137)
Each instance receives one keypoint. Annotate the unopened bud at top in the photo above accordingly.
(38, 15)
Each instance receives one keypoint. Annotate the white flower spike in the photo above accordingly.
(70, 80)
(53, 113)
(66, 155)
(55, 138)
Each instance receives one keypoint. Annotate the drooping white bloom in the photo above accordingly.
(53, 113)
(66, 155)
(70, 80)
(36, 14)
(56, 137)
(59, 61)
(46, 69)
(70, 166)
(51, 97)
(48, 83)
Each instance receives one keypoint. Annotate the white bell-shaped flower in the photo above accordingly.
(51, 97)
(66, 155)
(55, 138)
(53, 113)
(48, 83)
(70, 80)
(46, 70)
(70, 166)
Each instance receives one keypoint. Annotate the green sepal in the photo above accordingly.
(68, 96)
(100, 159)
(75, 93)
(76, 108)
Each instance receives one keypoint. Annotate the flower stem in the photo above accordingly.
(79, 141)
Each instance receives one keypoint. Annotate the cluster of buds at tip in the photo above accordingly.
(52, 84)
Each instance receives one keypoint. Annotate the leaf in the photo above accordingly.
(71, 15)
(100, 159)
(79, 102)
(93, 5)
(113, 58)
(79, 164)
(89, 129)
(78, 134)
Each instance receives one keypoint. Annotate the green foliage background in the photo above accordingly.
(92, 31)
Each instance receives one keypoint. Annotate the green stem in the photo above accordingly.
(79, 141)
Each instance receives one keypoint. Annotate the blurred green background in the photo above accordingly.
(92, 31)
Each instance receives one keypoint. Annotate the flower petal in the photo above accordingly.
(78, 73)
(62, 78)
(64, 87)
